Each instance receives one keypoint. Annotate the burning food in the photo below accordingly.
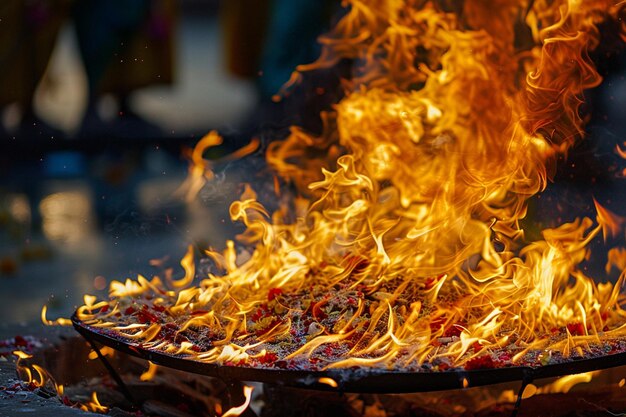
(404, 249)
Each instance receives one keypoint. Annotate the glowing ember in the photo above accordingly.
(405, 249)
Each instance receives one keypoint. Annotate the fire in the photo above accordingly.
(150, 372)
(560, 385)
(37, 377)
(404, 248)
(60, 321)
(566, 383)
(236, 411)
(104, 351)
(328, 381)
(94, 405)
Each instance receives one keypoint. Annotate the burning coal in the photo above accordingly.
(407, 251)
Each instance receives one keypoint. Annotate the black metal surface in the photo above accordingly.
(360, 380)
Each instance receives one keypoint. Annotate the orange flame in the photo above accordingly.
(104, 351)
(328, 381)
(610, 222)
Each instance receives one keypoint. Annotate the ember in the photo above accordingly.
(406, 252)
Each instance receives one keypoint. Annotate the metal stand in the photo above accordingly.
(118, 379)
(528, 378)
(234, 389)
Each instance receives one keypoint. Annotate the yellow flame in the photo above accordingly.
(104, 351)
(236, 411)
(190, 270)
(150, 372)
(37, 376)
(328, 381)
(530, 391)
(33, 374)
(566, 383)
(58, 322)
(94, 405)
(22, 355)
(200, 169)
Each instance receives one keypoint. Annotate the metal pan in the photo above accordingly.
(361, 380)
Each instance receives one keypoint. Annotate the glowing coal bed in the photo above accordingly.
(308, 313)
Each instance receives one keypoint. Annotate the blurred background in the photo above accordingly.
(99, 101)
(100, 98)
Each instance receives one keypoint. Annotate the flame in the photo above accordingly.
(36, 376)
(616, 257)
(201, 170)
(561, 385)
(610, 222)
(404, 246)
(22, 355)
(620, 151)
(566, 383)
(94, 405)
(530, 391)
(190, 270)
(328, 381)
(104, 351)
(58, 322)
(236, 411)
(150, 372)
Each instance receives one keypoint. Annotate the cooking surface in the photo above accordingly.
(359, 379)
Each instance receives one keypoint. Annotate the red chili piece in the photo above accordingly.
(482, 362)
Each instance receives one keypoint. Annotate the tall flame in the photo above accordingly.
(405, 246)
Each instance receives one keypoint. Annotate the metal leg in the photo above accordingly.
(118, 379)
(525, 381)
